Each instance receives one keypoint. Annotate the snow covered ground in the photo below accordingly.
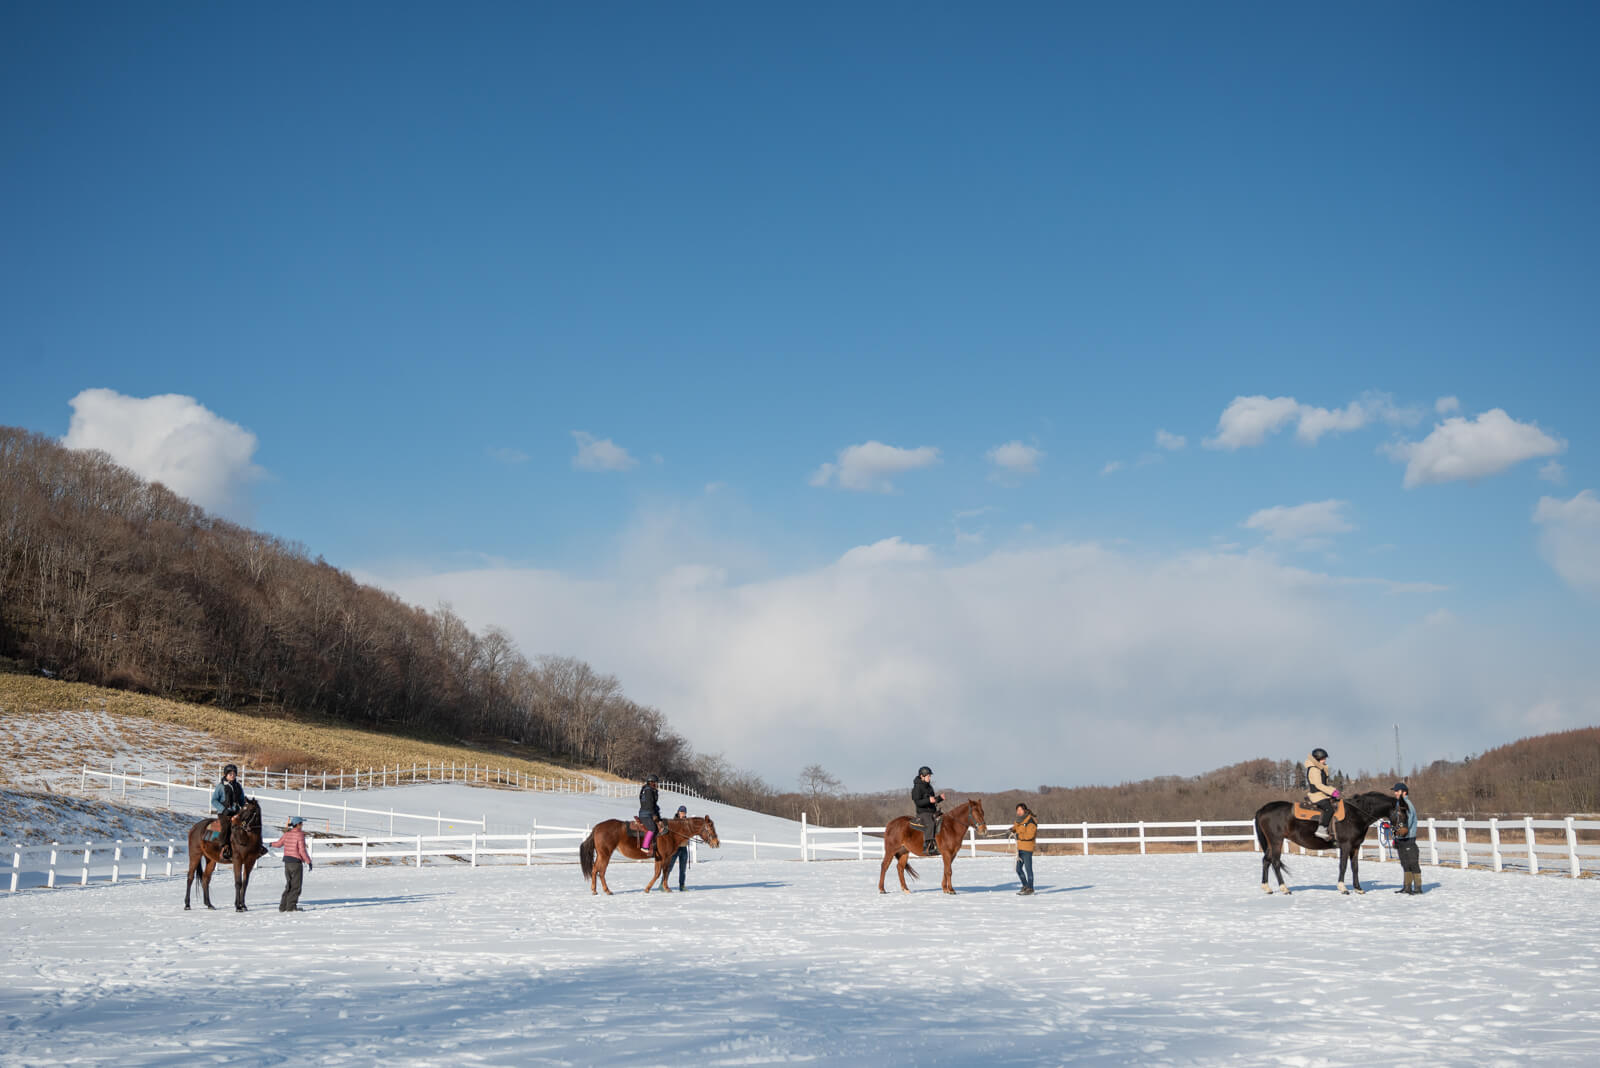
(1170, 959)
(46, 750)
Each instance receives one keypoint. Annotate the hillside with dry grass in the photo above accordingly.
(53, 711)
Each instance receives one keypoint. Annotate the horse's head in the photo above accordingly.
(708, 831)
(249, 815)
(975, 810)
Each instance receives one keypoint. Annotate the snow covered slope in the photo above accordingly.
(1174, 959)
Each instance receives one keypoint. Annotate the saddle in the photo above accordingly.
(1306, 812)
(214, 830)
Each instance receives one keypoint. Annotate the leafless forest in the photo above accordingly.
(106, 578)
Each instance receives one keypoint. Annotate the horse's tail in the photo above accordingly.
(1274, 857)
(911, 871)
(586, 855)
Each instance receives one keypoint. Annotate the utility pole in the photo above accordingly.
(1399, 765)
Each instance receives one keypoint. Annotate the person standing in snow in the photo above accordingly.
(1026, 831)
(1404, 822)
(681, 857)
(227, 797)
(295, 855)
(649, 811)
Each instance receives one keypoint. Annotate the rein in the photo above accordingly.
(695, 836)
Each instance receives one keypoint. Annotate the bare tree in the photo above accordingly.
(817, 785)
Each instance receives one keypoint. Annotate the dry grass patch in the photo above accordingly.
(276, 742)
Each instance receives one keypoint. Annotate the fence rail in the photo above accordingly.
(373, 778)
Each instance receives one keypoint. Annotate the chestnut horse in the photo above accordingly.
(1275, 822)
(245, 828)
(611, 836)
(900, 840)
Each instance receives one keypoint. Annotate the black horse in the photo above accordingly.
(1275, 822)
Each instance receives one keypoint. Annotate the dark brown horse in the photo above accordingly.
(901, 840)
(1275, 823)
(245, 829)
(612, 836)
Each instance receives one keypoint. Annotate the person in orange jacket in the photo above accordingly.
(1026, 831)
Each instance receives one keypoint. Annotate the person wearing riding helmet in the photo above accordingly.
(926, 801)
(1320, 793)
(227, 797)
(649, 810)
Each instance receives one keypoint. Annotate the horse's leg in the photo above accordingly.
(205, 882)
(188, 880)
(949, 860)
(883, 869)
(241, 882)
(1355, 867)
(905, 862)
(600, 865)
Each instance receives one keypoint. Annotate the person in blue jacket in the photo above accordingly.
(227, 797)
(681, 857)
(1404, 822)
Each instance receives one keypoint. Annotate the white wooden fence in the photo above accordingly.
(296, 805)
(414, 774)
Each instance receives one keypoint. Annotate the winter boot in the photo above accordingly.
(649, 836)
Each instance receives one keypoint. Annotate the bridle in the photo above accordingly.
(697, 835)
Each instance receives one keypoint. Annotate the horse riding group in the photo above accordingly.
(1325, 820)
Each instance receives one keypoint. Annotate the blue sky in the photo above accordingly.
(408, 263)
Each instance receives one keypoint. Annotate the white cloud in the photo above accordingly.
(1304, 523)
(1570, 538)
(1111, 467)
(171, 439)
(1553, 472)
(600, 454)
(1170, 442)
(888, 551)
(867, 467)
(1015, 458)
(1461, 448)
(1248, 421)
(1446, 405)
(1112, 663)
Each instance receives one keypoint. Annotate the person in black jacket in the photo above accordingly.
(649, 811)
(926, 800)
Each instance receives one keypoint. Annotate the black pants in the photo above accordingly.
(293, 873)
(929, 821)
(681, 859)
(1406, 850)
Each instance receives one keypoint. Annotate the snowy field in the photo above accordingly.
(1172, 959)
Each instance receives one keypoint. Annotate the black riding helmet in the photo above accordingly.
(229, 767)
(924, 770)
(1320, 754)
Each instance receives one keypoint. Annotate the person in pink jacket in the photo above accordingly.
(295, 854)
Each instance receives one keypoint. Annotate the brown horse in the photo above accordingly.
(1276, 822)
(901, 840)
(611, 836)
(245, 829)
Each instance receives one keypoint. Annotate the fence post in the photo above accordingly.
(803, 856)
(1085, 837)
(51, 881)
(1533, 858)
(972, 842)
(1461, 838)
(1494, 840)
(1433, 841)
(116, 862)
(1141, 838)
(16, 864)
(144, 861)
(861, 844)
(1199, 838)
(363, 852)
(171, 845)
(88, 851)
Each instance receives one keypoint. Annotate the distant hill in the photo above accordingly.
(1551, 774)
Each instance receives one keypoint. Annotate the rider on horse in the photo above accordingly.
(926, 801)
(649, 811)
(226, 799)
(1320, 793)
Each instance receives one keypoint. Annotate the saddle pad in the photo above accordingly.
(1301, 812)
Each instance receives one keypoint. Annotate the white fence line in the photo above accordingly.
(297, 803)
(420, 774)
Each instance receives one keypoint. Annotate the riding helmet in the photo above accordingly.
(1320, 754)
(1399, 787)
(230, 767)
(924, 770)
(652, 777)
